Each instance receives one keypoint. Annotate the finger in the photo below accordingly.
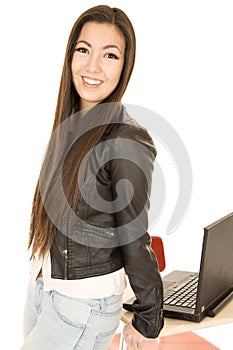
(129, 345)
(140, 344)
(135, 345)
(129, 340)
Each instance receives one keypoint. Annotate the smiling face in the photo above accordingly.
(97, 62)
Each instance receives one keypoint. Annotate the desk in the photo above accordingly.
(174, 326)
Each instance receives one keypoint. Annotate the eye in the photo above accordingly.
(81, 49)
(111, 56)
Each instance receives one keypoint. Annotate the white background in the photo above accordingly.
(183, 72)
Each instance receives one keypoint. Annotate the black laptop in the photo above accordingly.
(192, 296)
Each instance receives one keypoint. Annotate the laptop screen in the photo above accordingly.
(216, 272)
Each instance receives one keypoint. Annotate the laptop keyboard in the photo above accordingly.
(184, 294)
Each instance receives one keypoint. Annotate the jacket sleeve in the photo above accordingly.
(144, 277)
(135, 165)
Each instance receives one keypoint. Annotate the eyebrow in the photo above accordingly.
(111, 46)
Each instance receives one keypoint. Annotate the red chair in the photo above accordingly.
(158, 248)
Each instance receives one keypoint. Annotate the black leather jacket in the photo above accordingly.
(111, 230)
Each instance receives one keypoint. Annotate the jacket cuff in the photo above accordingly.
(145, 324)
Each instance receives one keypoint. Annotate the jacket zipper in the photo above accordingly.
(65, 252)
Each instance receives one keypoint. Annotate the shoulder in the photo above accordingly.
(128, 128)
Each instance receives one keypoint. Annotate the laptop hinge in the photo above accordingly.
(219, 302)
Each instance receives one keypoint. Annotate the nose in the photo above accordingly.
(94, 63)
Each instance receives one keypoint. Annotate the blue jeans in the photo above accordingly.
(53, 321)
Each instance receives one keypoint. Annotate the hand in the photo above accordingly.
(135, 340)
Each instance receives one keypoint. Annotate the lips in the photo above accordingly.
(92, 82)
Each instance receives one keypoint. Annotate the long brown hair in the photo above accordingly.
(42, 228)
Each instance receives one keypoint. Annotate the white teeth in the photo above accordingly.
(92, 81)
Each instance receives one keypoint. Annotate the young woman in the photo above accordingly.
(89, 216)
